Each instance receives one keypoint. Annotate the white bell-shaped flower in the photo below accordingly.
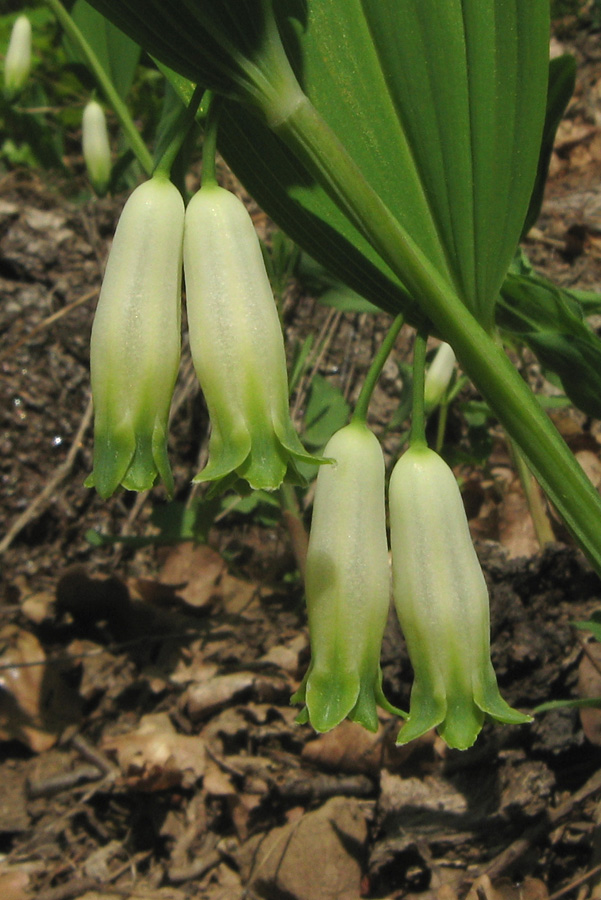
(442, 603)
(347, 584)
(237, 346)
(136, 339)
(17, 63)
(96, 146)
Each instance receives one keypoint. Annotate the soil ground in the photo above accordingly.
(147, 744)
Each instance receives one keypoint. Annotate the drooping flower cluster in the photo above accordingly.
(439, 590)
(235, 337)
(238, 352)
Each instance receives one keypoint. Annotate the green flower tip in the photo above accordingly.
(332, 695)
(130, 456)
(459, 710)
(259, 457)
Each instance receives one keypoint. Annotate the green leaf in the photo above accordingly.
(329, 290)
(327, 411)
(175, 522)
(590, 301)
(263, 506)
(585, 703)
(550, 321)
(116, 52)
(412, 91)
(593, 625)
(562, 80)
(466, 79)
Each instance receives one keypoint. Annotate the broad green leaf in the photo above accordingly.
(588, 300)
(346, 300)
(467, 78)
(293, 198)
(117, 53)
(329, 290)
(440, 105)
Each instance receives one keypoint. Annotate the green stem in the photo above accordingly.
(295, 525)
(417, 435)
(375, 369)
(486, 364)
(178, 134)
(209, 143)
(540, 520)
(132, 135)
(456, 389)
(443, 411)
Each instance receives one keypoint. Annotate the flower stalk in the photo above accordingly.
(130, 131)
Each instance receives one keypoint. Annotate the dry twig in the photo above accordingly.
(39, 504)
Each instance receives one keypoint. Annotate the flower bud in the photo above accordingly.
(347, 584)
(237, 346)
(438, 376)
(96, 147)
(135, 346)
(442, 603)
(17, 63)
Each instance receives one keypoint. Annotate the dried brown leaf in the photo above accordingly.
(13, 883)
(156, 757)
(194, 571)
(589, 686)
(350, 748)
(202, 700)
(313, 858)
(516, 530)
(35, 703)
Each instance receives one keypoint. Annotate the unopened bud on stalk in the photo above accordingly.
(442, 603)
(96, 147)
(17, 63)
(438, 376)
(347, 584)
(237, 346)
(136, 342)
